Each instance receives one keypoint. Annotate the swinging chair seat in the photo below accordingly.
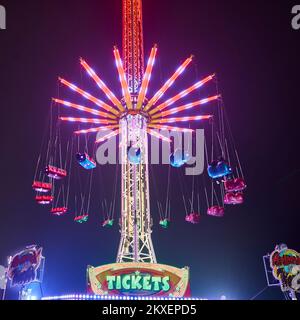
(216, 211)
(108, 223)
(176, 163)
(177, 160)
(81, 219)
(59, 211)
(234, 198)
(44, 199)
(55, 173)
(218, 169)
(235, 185)
(134, 155)
(85, 161)
(165, 223)
(39, 186)
(193, 218)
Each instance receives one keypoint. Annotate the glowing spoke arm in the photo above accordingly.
(185, 107)
(158, 135)
(88, 120)
(168, 84)
(181, 95)
(108, 136)
(85, 109)
(88, 96)
(91, 130)
(110, 95)
(146, 78)
(122, 77)
(169, 128)
(183, 119)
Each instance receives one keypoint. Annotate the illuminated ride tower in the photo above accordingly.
(135, 244)
(136, 271)
(133, 117)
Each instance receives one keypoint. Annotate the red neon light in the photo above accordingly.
(55, 173)
(186, 106)
(110, 95)
(122, 77)
(88, 96)
(59, 211)
(168, 84)
(158, 135)
(181, 95)
(44, 199)
(169, 128)
(39, 186)
(104, 128)
(85, 109)
(183, 119)
(279, 261)
(87, 120)
(146, 79)
(108, 136)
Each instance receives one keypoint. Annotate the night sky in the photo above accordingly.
(255, 52)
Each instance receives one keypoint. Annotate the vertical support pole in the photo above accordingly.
(135, 223)
(136, 244)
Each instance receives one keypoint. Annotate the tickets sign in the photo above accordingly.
(139, 279)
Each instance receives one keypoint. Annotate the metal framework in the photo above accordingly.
(133, 43)
(135, 244)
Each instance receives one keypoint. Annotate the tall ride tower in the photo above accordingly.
(136, 223)
(133, 117)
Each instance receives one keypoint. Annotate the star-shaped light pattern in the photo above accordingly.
(108, 115)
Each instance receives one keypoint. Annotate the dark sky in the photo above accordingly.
(255, 52)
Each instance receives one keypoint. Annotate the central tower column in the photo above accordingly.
(135, 223)
(133, 43)
(136, 244)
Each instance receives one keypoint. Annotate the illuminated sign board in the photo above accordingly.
(23, 266)
(285, 264)
(139, 279)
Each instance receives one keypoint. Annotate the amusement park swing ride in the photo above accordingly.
(133, 117)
